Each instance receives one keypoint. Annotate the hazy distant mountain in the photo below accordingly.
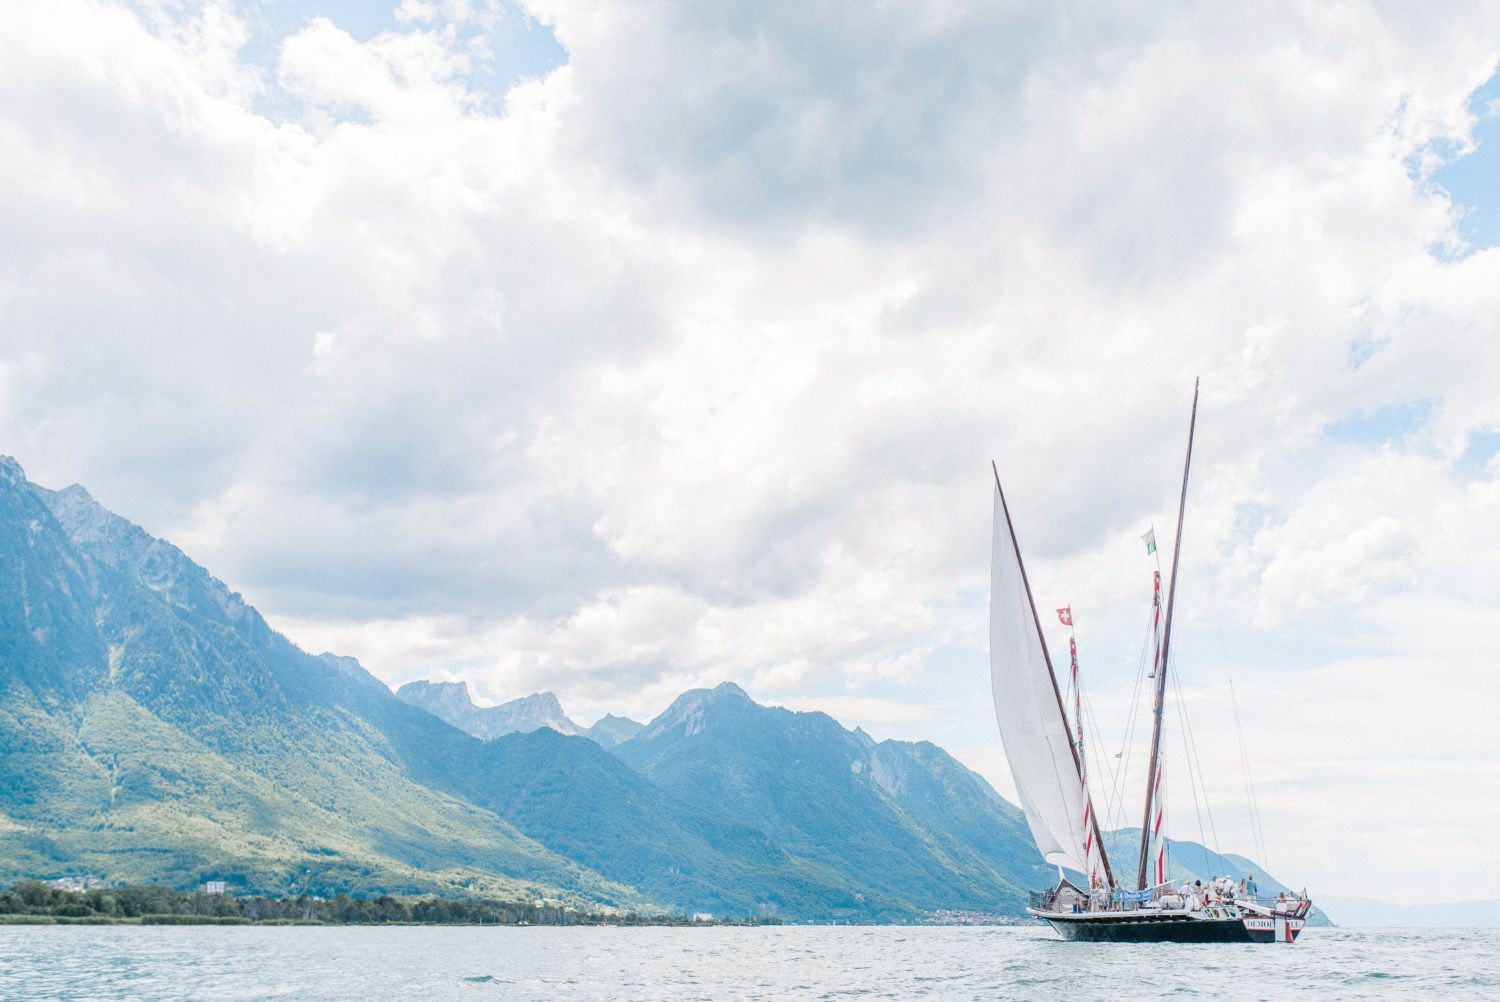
(450, 701)
(1456, 915)
(609, 730)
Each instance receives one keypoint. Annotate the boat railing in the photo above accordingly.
(1129, 901)
(1169, 895)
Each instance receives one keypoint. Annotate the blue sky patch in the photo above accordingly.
(519, 46)
(1364, 348)
(1250, 518)
(1474, 463)
(1472, 181)
(1383, 424)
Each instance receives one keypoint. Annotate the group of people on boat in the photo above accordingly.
(1218, 891)
(1190, 895)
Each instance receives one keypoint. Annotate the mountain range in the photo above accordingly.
(450, 701)
(154, 728)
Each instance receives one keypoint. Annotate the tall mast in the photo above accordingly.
(1166, 644)
(1026, 582)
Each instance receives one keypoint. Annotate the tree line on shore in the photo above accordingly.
(33, 901)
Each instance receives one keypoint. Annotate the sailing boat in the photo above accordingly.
(1047, 763)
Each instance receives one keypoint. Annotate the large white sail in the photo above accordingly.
(1027, 708)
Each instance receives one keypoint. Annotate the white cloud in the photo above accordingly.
(686, 360)
(852, 709)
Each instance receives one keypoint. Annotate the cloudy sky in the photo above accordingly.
(615, 349)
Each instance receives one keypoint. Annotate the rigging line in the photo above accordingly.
(1255, 826)
(1107, 794)
(1257, 830)
(1103, 805)
(1098, 740)
(1133, 717)
(1126, 758)
(1096, 743)
(1117, 818)
(1187, 724)
(1192, 780)
(1190, 744)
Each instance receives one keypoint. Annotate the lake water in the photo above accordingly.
(292, 962)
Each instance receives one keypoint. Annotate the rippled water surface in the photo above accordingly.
(164, 962)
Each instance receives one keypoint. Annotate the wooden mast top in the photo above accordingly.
(1166, 643)
(1026, 583)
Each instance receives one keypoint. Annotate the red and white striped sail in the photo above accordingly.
(1090, 847)
(1158, 826)
(1160, 834)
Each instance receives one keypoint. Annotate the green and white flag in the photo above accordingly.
(1150, 540)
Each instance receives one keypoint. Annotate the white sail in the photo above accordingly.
(1031, 720)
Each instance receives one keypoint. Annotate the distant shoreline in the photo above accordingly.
(215, 920)
(33, 902)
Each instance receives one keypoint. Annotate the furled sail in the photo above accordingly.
(1029, 710)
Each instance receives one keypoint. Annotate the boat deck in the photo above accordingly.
(1213, 924)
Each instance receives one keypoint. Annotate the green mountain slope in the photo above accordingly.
(153, 727)
(609, 730)
(577, 799)
(571, 796)
(883, 819)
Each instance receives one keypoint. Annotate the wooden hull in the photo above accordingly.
(1169, 927)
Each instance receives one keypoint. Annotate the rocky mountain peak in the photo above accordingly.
(10, 471)
(610, 730)
(449, 696)
(82, 518)
(351, 668)
(690, 709)
(728, 690)
(542, 703)
(451, 702)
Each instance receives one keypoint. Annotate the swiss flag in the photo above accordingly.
(1065, 616)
